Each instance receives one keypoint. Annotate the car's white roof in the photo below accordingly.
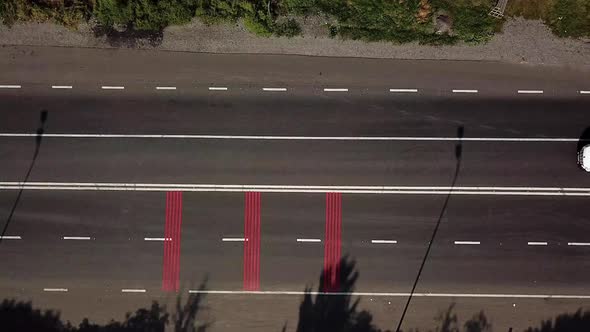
(586, 157)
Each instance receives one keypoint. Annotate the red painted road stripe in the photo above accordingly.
(332, 242)
(252, 243)
(165, 270)
(172, 232)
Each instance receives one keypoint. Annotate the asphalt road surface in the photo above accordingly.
(96, 231)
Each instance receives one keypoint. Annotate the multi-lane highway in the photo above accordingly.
(155, 170)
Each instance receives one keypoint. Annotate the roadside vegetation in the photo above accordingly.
(433, 22)
(566, 18)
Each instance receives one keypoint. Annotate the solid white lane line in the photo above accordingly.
(10, 237)
(467, 242)
(404, 90)
(77, 238)
(578, 244)
(465, 91)
(111, 87)
(274, 89)
(530, 91)
(537, 243)
(384, 241)
(55, 289)
(522, 191)
(302, 138)
(9, 86)
(335, 90)
(309, 240)
(165, 88)
(61, 87)
(217, 88)
(283, 186)
(585, 92)
(156, 239)
(132, 290)
(233, 239)
(376, 294)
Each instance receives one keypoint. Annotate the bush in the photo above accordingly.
(144, 15)
(69, 14)
(289, 28)
(214, 11)
(374, 20)
(256, 27)
(473, 25)
(301, 7)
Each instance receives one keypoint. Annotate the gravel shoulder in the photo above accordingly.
(522, 41)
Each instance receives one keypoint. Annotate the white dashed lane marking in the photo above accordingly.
(384, 241)
(9, 86)
(217, 88)
(233, 239)
(404, 90)
(77, 238)
(309, 240)
(465, 91)
(582, 244)
(530, 91)
(55, 289)
(155, 239)
(111, 87)
(585, 92)
(132, 290)
(537, 243)
(335, 90)
(274, 89)
(61, 86)
(165, 88)
(10, 237)
(467, 242)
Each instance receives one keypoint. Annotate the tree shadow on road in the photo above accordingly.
(576, 322)
(334, 311)
(21, 316)
(448, 321)
(337, 311)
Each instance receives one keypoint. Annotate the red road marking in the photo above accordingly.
(172, 230)
(252, 241)
(332, 243)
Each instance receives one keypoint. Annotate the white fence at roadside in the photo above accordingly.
(498, 10)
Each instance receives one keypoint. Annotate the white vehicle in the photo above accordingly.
(584, 158)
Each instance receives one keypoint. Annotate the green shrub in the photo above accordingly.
(473, 25)
(257, 27)
(289, 28)
(144, 15)
(70, 14)
(570, 18)
(301, 7)
(214, 11)
(375, 20)
(111, 12)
